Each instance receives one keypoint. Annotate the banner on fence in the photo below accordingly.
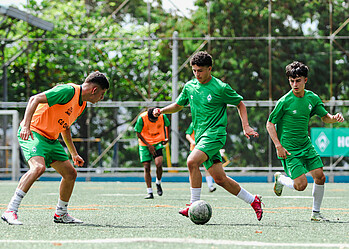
(330, 141)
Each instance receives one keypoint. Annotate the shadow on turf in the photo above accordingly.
(112, 226)
(249, 225)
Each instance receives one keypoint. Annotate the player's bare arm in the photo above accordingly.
(33, 103)
(67, 138)
(150, 147)
(191, 141)
(329, 118)
(248, 130)
(280, 150)
(172, 108)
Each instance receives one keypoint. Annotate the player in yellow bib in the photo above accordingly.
(208, 98)
(288, 128)
(47, 115)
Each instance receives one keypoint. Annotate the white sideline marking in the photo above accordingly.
(180, 241)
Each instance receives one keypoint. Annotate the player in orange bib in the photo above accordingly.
(47, 115)
(152, 133)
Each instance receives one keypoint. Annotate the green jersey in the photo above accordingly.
(291, 116)
(190, 129)
(208, 105)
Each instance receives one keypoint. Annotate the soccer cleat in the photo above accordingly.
(66, 218)
(212, 189)
(257, 206)
(159, 189)
(277, 186)
(185, 211)
(317, 216)
(149, 196)
(11, 218)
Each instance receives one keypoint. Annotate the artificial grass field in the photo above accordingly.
(116, 215)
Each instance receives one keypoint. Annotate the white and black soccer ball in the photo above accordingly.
(200, 212)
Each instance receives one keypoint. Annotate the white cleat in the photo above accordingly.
(317, 216)
(11, 218)
(66, 218)
(277, 186)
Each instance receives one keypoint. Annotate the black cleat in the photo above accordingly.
(158, 186)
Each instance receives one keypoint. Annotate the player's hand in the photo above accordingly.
(339, 117)
(156, 112)
(25, 133)
(78, 161)
(248, 131)
(282, 152)
(164, 142)
(152, 149)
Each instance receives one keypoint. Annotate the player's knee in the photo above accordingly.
(192, 164)
(39, 170)
(320, 180)
(300, 186)
(71, 175)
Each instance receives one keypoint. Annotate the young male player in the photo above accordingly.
(47, 115)
(190, 136)
(288, 128)
(208, 98)
(152, 133)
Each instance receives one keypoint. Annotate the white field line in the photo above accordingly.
(180, 241)
(216, 196)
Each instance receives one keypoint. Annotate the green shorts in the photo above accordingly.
(302, 162)
(211, 146)
(146, 156)
(50, 150)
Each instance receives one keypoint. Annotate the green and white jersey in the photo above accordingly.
(291, 116)
(208, 104)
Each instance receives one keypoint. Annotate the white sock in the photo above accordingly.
(194, 194)
(318, 194)
(209, 180)
(149, 190)
(16, 200)
(286, 181)
(62, 207)
(245, 196)
(158, 181)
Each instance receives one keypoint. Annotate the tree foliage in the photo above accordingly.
(92, 35)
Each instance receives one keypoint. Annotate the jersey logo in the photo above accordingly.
(191, 96)
(34, 149)
(209, 98)
(294, 111)
(69, 111)
(310, 106)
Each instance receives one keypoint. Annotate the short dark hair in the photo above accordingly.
(296, 69)
(201, 59)
(150, 114)
(99, 79)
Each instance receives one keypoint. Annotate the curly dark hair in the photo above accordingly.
(201, 59)
(296, 69)
(99, 79)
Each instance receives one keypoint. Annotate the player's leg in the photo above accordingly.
(220, 177)
(69, 174)
(146, 158)
(36, 169)
(316, 170)
(158, 163)
(194, 160)
(209, 181)
(295, 178)
(147, 179)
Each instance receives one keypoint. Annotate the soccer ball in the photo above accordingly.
(200, 212)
